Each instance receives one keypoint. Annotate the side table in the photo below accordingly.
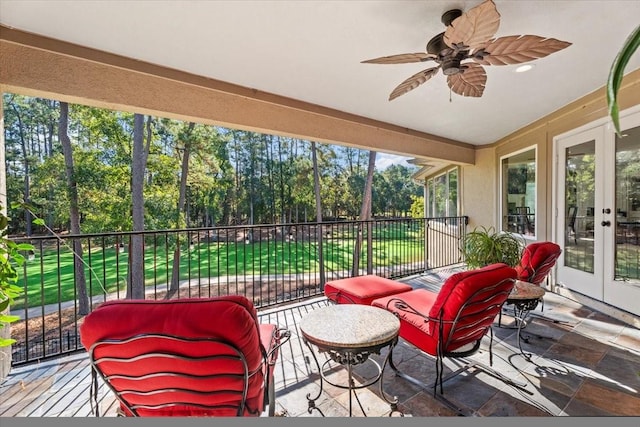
(348, 334)
(525, 297)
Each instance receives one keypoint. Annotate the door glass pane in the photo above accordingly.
(430, 199)
(627, 256)
(579, 200)
(441, 196)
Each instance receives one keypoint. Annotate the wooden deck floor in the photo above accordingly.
(587, 364)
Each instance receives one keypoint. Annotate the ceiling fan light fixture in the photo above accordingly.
(451, 67)
(524, 68)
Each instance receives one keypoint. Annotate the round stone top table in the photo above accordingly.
(348, 334)
(526, 291)
(350, 326)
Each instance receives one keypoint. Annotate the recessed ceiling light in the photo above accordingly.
(523, 68)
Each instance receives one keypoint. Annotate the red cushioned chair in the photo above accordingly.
(189, 357)
(537, 260)
(452, 322)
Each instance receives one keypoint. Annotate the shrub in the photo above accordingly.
(484, 246)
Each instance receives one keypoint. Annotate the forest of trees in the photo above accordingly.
(187, 174)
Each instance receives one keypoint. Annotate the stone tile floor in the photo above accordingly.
(586, 364)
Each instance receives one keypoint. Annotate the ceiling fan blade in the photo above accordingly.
(413, 82)
(403, 58)
(471, 82)
(474, 27)
(518, 49)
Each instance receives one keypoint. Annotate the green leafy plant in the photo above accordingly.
(10, 257)
(617, 72)
(484, 246)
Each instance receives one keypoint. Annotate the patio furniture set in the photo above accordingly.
(211, 356)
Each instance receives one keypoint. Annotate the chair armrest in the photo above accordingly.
(402, 305)
(282, 335)
(339, 294)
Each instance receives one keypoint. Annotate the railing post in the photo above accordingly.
(369, 247)
(320, 239)
(461, 237)
(426, 243)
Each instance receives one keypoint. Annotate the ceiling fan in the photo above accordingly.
(469, 37)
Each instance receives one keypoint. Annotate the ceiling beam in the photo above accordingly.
(34, 65)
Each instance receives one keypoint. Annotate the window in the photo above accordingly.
(518, 179)
(442, 194)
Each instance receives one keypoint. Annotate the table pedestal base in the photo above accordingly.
(521, 310)
(349, 359)
(524, 297)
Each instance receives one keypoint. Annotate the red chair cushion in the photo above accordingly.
(413, 327)
(538, 259)
(362, 289)
(231, 319)
(471, 298)
(453, 294)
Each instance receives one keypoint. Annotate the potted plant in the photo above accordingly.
(484, 246)
(10, 258)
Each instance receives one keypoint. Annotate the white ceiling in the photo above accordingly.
(311, 50)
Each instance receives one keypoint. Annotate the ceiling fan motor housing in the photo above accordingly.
(450, 15)
(437, 46)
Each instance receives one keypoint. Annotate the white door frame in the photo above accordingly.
(603, 286)
(618, 293)
(590, 284)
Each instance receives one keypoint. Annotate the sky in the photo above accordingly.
(384, 160)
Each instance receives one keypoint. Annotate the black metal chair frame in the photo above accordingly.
(236, 354)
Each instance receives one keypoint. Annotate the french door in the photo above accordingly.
(598, 212)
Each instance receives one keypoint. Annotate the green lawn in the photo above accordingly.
(49, 277)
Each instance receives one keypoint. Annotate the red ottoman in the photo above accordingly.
(362, 289)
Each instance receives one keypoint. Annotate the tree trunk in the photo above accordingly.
(365, 215)
(319, 236)
(74, 212)
(27, 177)
(135, 284)
(175, 273)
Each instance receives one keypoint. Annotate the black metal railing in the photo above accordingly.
(269, 264)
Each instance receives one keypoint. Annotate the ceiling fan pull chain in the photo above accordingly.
(450, 95)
